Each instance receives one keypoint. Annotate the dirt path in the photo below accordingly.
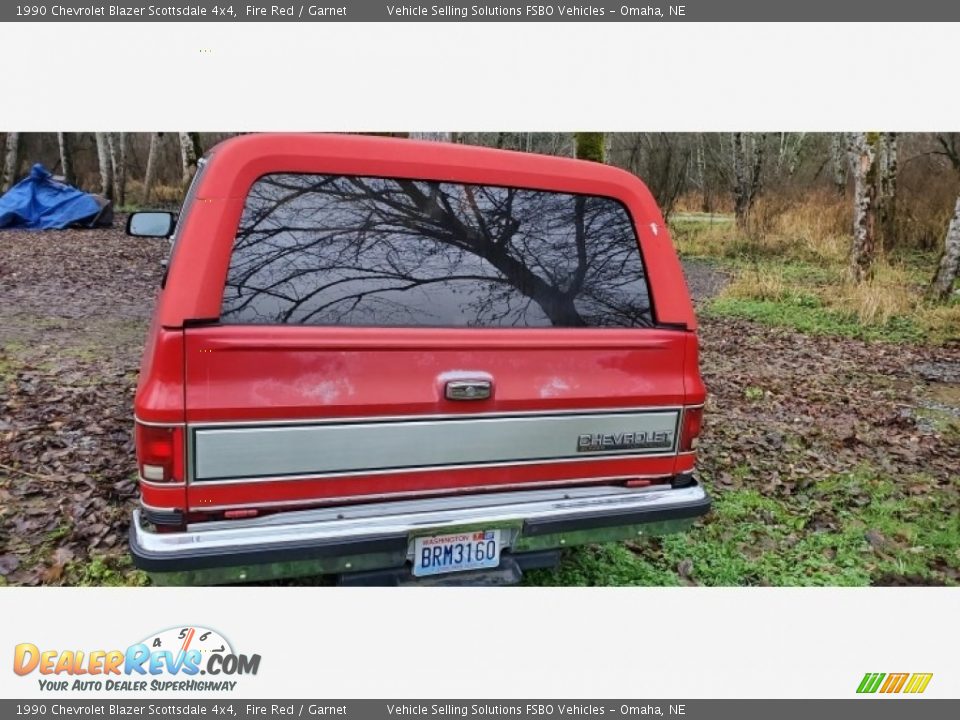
(785, 410)
(703, 280)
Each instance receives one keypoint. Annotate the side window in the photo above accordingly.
(337, 250)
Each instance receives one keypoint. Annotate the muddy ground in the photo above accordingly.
(785, 410)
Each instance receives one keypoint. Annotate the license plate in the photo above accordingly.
(456, 552)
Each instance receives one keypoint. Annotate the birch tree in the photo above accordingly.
(942, 286)
(864, 246)
(11, 159)
(791, 149)
(188, 158)
(106, 169)
(66, 157)
(113, 150)
(151, 171)
(589, 146)
(118, 157)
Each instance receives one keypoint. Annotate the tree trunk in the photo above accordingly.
(11, 160)
(796, 152)
(106, 170)
(589, 146)
(120, 168)
(756, 181)
(747, 178)
(739, 180)
(838, 153)
(148, 176)
(114, 149)
(863, 249)
(942, 286)
(66, 157)
(188, 159)
(887, 202)
(706, 205)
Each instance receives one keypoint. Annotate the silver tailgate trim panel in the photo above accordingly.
(278, 451)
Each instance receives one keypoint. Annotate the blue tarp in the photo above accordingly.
(38, 202)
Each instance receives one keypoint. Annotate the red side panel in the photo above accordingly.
(160, 400)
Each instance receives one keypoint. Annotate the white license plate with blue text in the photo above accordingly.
(472, 550)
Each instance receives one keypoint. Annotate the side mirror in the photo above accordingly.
(151, 224)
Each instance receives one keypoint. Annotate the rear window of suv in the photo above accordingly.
(343, 250)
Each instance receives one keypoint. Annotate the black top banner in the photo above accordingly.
(509, 11)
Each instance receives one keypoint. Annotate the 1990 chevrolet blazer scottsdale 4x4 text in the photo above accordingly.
(395, 361)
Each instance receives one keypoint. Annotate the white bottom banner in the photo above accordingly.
(231, 643)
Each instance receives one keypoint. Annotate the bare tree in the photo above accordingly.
(151, 170)
(188, 158)
(887, 187)
(66, 157)
(117, 150)
(791, 150)
(11, 159)
(706, 204)
(942, 286)
(949, 148)
(589, 146)
(663, 160)
(747, 174)
(838, 157)
(864, 246)
(435, 136)
(106, 167)
(119, 163)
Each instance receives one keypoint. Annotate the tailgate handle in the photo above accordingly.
(468, 389)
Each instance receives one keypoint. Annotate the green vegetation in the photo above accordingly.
(806, 314)
(853, 528)
(105, 571)
(793, 274)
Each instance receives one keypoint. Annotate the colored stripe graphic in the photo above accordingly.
(870, 682)
(894, 683)
(918, 682)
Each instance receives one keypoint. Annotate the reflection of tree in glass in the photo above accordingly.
(368, 251)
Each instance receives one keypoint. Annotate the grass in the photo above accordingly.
(850, 529)
(790, 270)
(105, 571)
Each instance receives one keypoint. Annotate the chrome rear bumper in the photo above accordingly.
(380, 535)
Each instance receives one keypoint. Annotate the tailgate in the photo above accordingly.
(282, 415)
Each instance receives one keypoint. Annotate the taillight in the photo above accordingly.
(690, 430)
(159, 453)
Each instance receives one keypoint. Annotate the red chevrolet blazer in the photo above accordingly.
(396, 361)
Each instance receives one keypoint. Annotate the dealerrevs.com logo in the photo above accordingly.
(179, 659)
